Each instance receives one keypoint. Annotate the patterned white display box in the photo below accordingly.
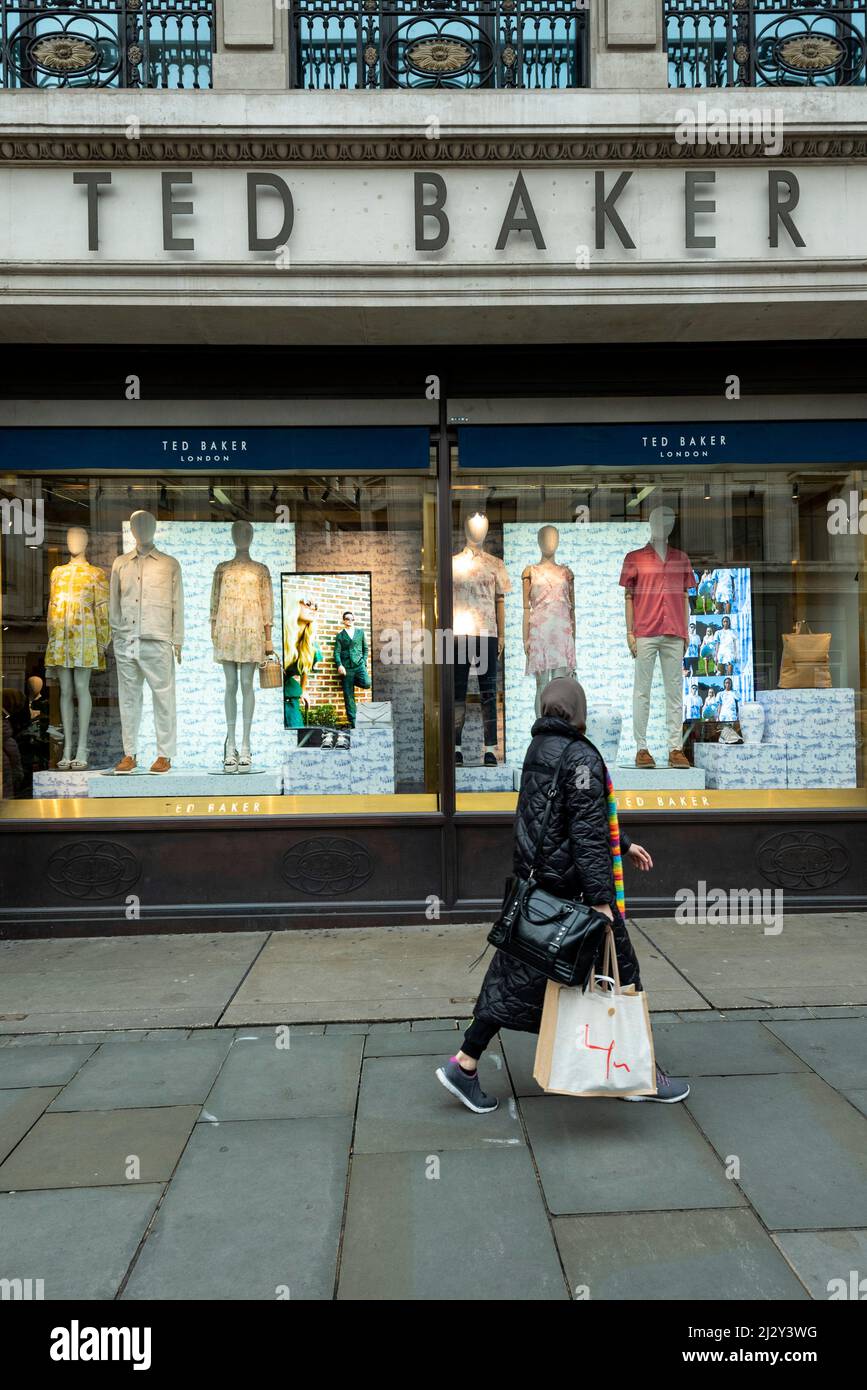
(626, 777)
(366, 768)
(818, 728)
(486, 779)
(59, 784)
(743, 767)
(186, 781)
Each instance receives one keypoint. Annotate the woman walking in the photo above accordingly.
(577, 864)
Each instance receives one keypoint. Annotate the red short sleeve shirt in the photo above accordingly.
(657, 588)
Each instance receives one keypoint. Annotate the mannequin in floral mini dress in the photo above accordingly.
(78, 634)
(549, 615)
(242, 615)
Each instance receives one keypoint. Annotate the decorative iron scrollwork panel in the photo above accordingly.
(106, 43)
(766, 43)
(350, 44)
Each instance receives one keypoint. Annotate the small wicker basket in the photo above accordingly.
(271, 673)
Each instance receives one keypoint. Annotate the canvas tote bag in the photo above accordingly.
(598, 1041)
(805, 660)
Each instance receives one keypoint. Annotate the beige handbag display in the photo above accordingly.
(598, 1041)
(805, 660)
(271, 673)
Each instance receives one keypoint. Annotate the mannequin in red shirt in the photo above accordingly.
(656, 579)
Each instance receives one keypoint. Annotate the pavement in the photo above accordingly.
(256, 1117)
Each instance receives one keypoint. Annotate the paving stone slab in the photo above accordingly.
(19, 1111)
(717, 1048)
(734, 1015)
(127, 1076)
(818, 958)
(442, 1043)
(825, 1261)
(434, 1025)
(858, 1099)
(91, 1148)
(802, 1148)
(475, 1230)
(380, 1030)
(840, 1011)
(80, 1242)
(129, 982)
(352, 1029)
(835, 1048)
(50, 1065)
(253, 1212)
(402, 1106)
(313, 1076)
(610, 1155)
(698, 1015)
(679, 1255)
(520, 1054)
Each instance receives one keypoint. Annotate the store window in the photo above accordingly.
(742, 684)
(217, 642)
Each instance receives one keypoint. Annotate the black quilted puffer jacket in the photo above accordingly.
(574, 863)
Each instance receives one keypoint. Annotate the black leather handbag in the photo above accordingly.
(560, 939)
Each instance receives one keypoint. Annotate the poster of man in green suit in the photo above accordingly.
(351, 658)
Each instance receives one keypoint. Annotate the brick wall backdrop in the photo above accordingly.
(394, 560)
(334, 593)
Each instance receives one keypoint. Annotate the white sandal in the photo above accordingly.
(230, 760)
(245, 762)
(64, 765)
(78, 766)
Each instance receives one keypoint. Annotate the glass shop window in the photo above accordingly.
(716, 622)
(187, 645)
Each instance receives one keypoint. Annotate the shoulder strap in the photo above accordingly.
(549, 802)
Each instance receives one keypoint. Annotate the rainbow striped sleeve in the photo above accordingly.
(614, 840)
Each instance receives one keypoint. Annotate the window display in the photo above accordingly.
(175, 577)
(705, 583)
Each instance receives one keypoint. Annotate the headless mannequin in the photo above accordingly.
(241, 672)
(75, 681)
(549, 539)
(476, 531)
(661, 521)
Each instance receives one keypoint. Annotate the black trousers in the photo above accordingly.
(480, 653)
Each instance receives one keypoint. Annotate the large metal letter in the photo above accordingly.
(693, 206)
(268, 243)
(92, 182)
(782, 212)
(434, 209)
(606, 211)
(171, 209)
(529, 222)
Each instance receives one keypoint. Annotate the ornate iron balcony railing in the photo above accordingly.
(340, 45)
(766, 43)
(106, 43)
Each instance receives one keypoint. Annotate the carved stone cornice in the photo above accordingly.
(414, 151)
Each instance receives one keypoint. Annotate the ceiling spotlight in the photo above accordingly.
(796, 492)
(211, 498)
(164, 496)
(707, 491)
(326, 494)
(273, 497)
(358, 497)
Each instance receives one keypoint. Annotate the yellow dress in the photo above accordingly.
(78, 629)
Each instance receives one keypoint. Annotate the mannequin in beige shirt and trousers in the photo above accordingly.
(146, 613)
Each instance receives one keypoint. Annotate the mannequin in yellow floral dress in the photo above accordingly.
(78, 634)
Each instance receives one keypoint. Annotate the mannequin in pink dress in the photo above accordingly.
(549, 615)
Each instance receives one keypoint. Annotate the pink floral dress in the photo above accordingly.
(551, 641)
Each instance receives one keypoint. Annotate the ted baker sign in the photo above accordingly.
(349, 221)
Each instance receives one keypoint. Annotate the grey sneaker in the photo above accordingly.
(668, 1090)
(466, 1087)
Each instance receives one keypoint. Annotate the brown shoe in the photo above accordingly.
(644, 758)
(126, 764)
(678, 759)
(162, 765)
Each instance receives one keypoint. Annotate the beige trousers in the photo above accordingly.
(670, 652)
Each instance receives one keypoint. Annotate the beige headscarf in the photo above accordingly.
(564, 698)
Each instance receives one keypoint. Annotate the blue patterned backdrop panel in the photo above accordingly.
(200, 546)
(594, 552)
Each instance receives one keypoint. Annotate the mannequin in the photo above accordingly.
(78, 635)
(350, 658)
(549, 615)
(656, 580)
(242, 615)
(146, 611)
(302, 656)
(480, 585)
